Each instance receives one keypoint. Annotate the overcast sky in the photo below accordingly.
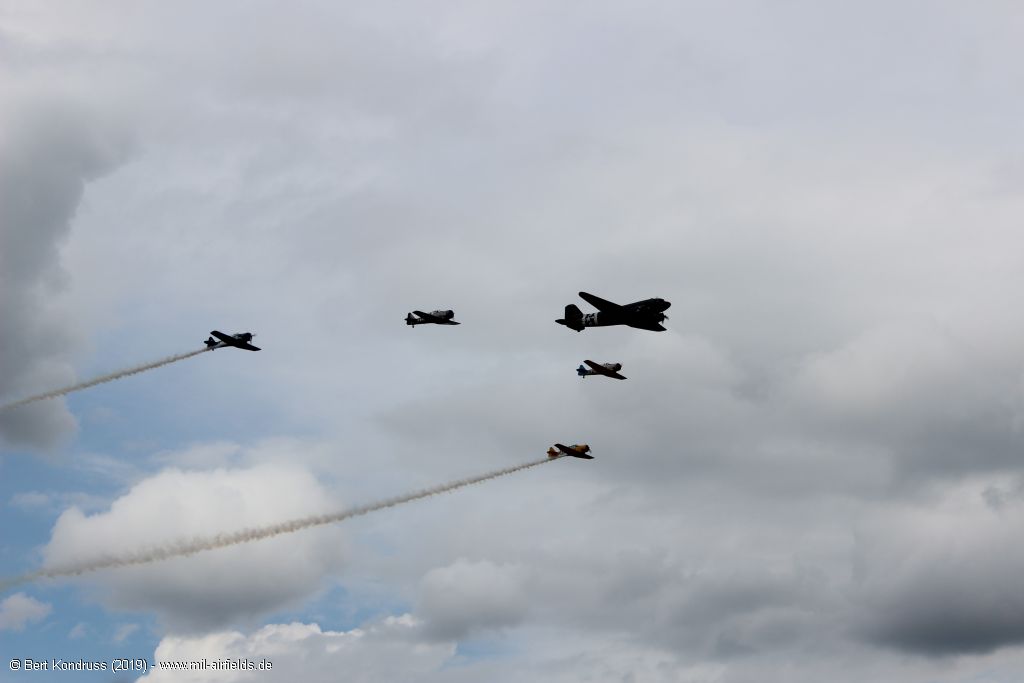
(814, 474)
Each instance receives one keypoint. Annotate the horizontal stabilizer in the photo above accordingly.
(573, 318)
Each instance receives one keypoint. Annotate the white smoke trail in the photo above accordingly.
(184, 548)
(104, 378)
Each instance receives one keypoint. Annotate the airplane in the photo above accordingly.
(239, 341)
(579, 450)
(435, 317)
(645, 315)
(606, 369)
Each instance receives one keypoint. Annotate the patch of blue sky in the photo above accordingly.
(77, 629)
(33, 493)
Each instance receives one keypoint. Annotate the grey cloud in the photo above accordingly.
(721, 613)
(798, 181)
(940, 576)
(939, 406)
(947, 618)
(50, 151)
(467, 597)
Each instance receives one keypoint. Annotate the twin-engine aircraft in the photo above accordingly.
(434, 317)
(579, 450)
(645, 315)
(239, 341)
(606, 369)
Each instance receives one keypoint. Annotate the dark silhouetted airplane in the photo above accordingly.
(645, 315)
(579, 450)
(434, 317)
(239, 341)
(606, 369)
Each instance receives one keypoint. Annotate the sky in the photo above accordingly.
(814, 474)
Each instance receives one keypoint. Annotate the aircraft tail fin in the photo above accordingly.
(581, 371)
(573, 318)
(552, 453)
(409, 320)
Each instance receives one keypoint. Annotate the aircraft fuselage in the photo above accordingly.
(432, 318)
(645, 315)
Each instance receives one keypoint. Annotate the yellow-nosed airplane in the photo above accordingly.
(579, 450)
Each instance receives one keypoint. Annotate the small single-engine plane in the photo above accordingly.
(645, 315)
(606, 369)
(435, 317)
(239, 341)
(579, 450)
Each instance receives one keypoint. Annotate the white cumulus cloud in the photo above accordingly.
(214, 588)
(20, 610)
(383, 651)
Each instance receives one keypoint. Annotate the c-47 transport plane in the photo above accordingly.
(239, 341)
(606, 369)
(435, 317)
(645, 315)
(579, 450)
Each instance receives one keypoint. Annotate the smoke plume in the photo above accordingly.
(184, 548)
(103, 378)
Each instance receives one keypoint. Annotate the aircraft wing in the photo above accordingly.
(247, 346)
(573, 452)
(601, 304)
(598, 368)
(427, 317)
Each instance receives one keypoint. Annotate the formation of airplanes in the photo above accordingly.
(645, 315)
